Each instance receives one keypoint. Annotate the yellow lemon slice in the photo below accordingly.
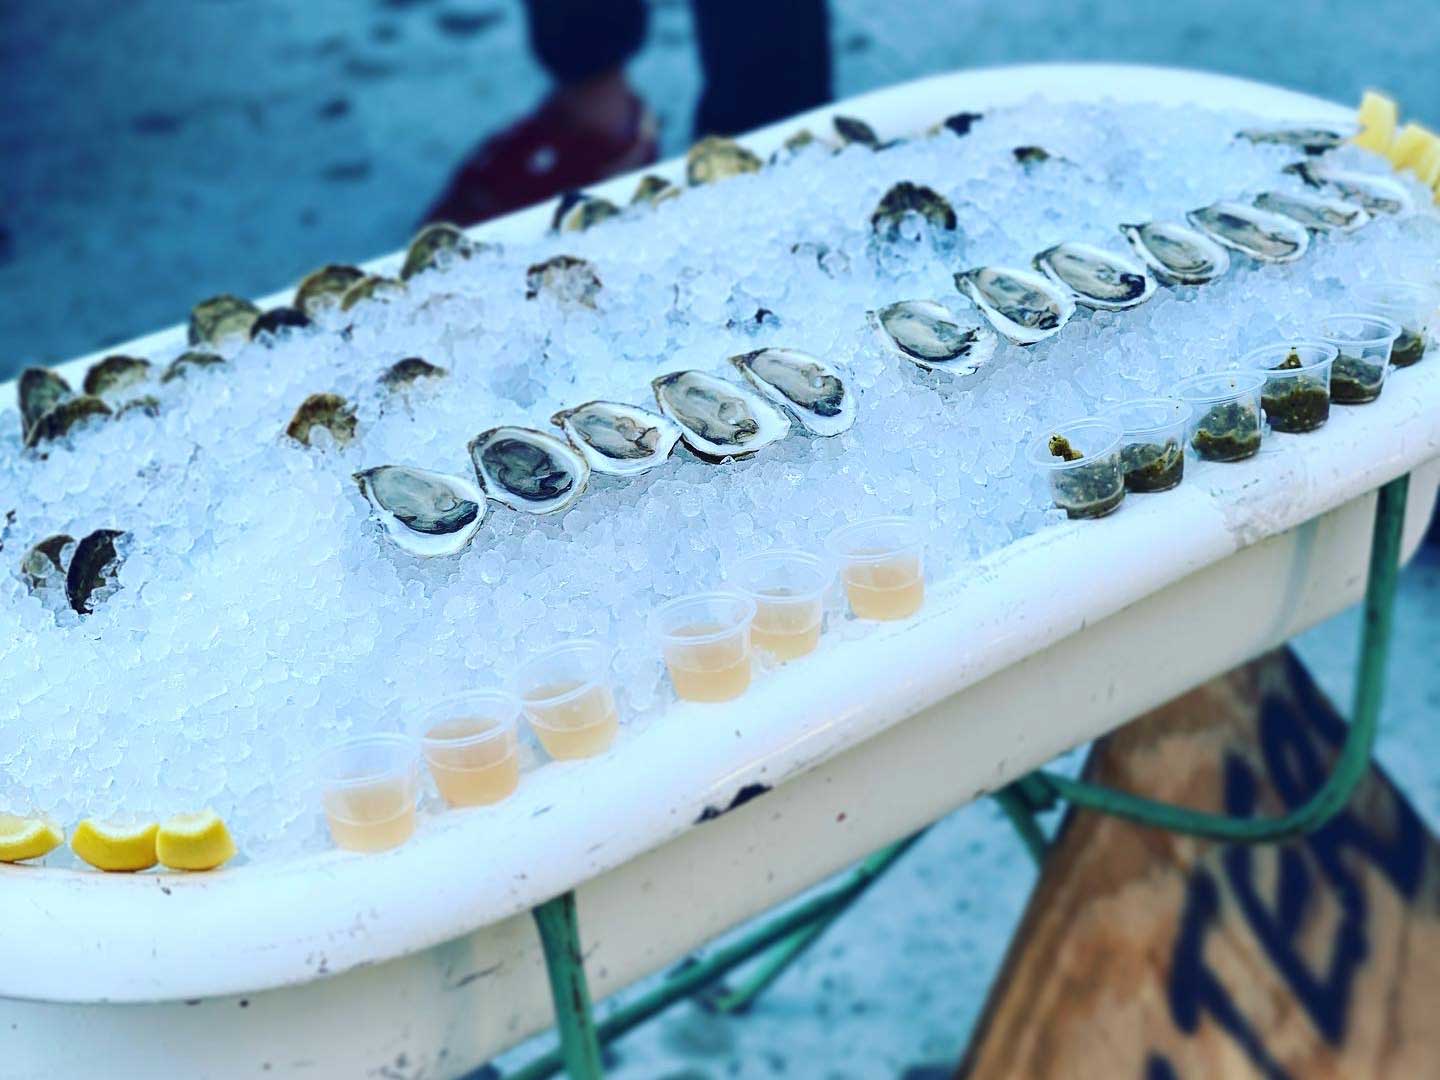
(27, 837)
(1378, 115)
(194, 842)
(109, 846)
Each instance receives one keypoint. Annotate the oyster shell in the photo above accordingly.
(960, 123)
(277, 320)
(1177, 253)
(528, 470)
(436, 246)
(38, 391)
(565, 277)
(653, 190)
(404, 374)
(718, 419)
(115, 373)
(905, 198)
(805, 386)
(1316, 212)
(329, 411)
(1311, 139)
(618, 439)
(371, 287)
(1377, 194)
(1268, 237)
(1099, 279)
(220, 319)
(92, 568)
(1026, 307)
(426, 513)
(323, 289)
(1027, 157)
(193, 358)
(853, 130)
(44, 564)
(576, 212)
(57, 422)
(718, 158)
(927, 335)
(149, 404)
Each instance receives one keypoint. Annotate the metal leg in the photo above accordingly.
(1021, 814)
(559, 929)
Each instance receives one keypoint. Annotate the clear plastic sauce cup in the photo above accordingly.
(882, 565)
(788, 588)
(370, 785)
(1152, 442)
(469, 741)
(1364, 343)
(705, 639)
(1225, 421)
(1414, 306)
(1296, 394)
(569, 698)
(1082, 461)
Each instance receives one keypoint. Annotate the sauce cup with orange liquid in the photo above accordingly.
(706, 642)
(369, 787)
(882, 563)
(568, 698)
(788, 588)
(470, 744)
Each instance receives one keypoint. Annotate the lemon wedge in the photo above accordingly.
(1410, 145)
(27, 837)
(108, 845)
(1378, 115)
(194, 841)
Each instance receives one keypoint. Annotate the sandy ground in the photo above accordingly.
(155, 152)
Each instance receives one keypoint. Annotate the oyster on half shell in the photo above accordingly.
(1177, 253)
(329, 411)
(1266, 237)
(805, 386)
(528, 470)
(38, 391)
(1024, 306)
(569, 279)
(718, 419)
(1377, 194)
(1318, 213)
(220, 319)
(56, 422)
(115, 373)
(92, 569)
(426, 513)
(718, 158)
(323, 289)
(1099, 279)
(618, 439)
(926, 334)
(906, 198)
(576, 211)
(436, 246)
(1311, 139)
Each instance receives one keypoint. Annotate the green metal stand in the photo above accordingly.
(559, 928)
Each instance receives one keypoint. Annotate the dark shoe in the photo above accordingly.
(536, 159)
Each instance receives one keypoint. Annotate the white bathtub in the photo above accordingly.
(423, 960)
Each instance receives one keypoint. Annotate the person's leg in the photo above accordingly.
(592, 125)
(762, 60)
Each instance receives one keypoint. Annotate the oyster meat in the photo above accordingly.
(1024, 306)
(577, 211)
(404, 374)
(1317, 213)
(653, 190)
(1310, 139)
(426, 513)
(718, 158)
(1177, 253)
(528, 470)
(436, 246)
(193, 358)
(220, 319)
(565, 277)
(329, 411)
(1099, 279)
(927, 335)
(907, 198)
(57, 422)
(805, 386)
(323, 289)
(1377, 194)
(1264, 236)
(92, 569)
(44, 565)
(38, 391)
(115, 373)
(718, 419)
(618, 439)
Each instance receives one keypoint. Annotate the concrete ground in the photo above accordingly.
(154, 152)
